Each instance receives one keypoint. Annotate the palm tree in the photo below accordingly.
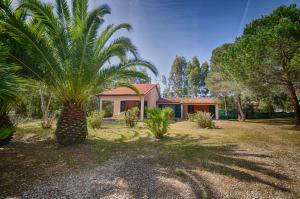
(67, 51)
(9, 89)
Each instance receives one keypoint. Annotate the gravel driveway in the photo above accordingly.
(120, 177)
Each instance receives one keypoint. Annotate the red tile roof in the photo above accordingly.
(186, 100)
(143, 89)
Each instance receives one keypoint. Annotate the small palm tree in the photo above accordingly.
(158, 121)
(66, 50)
(9, 90)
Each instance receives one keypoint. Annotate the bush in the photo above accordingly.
(203, 119)
(108, 107)
(158, 121)
(191, 117)
(6, 134)
(95, 119)
(131, 116)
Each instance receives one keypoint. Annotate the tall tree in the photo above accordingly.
(177, 81)
(193, 74)
(196, 76)
(267, 55)
(203, 75)
(222, 83)
(65, 50)
(166, 90)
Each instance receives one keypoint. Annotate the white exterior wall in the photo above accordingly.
(217, 111)
(117, 101)
(152, 98)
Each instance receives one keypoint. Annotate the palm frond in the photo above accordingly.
(10, 83)
(67, 52)
(56, 30)
(63, 12)
(107, 34)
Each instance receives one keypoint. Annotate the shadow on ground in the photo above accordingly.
(134, 166)
(180, 156)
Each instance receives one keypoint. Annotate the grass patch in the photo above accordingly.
(34, 155)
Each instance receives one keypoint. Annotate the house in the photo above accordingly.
(124, 98)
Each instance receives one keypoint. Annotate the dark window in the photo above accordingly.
(212, 110)
(122, 108)
(145, 108)
(191, 109)
(176, 108)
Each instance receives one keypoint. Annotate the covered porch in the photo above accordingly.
(183, 106)
(122, 104)
(213, 109)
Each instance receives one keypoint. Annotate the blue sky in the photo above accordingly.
(163, 29)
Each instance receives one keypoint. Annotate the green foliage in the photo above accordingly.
(137, 80)
(92, 104)
(196, 76)
(219, 84)
(95, 119)
(69, 54)
(177, 82)
(10, 83)
(191, 117)
(6, 134)
(158, 121)
(131, 116)
(222, 79)
(186, 78)
(108, 108)
(203, 119)
(266, 57)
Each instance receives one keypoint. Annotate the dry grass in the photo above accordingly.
(255, 159)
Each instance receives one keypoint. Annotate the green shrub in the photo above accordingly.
(6, 134)
(95, 119)
(191, 117)
(158, 121)
(131, 116)
(203, 119)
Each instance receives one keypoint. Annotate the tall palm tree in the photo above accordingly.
(67, 51)
(9, 90)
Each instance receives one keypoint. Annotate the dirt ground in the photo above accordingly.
(255, 159)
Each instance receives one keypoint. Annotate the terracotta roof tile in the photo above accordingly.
(143, 88)
(186, 100)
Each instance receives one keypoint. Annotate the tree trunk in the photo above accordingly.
(47, 118)
(225, 106)
(295, 102)
(72, 125)
(5, 123)
(241, 114)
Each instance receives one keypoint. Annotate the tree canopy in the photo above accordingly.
(266, 56)
(186, 78)
(68, 50)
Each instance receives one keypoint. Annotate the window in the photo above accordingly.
(122, 108)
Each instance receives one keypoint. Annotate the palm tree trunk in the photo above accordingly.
(241, 114)
(295, 102)
(72, 125)
(4, 124)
